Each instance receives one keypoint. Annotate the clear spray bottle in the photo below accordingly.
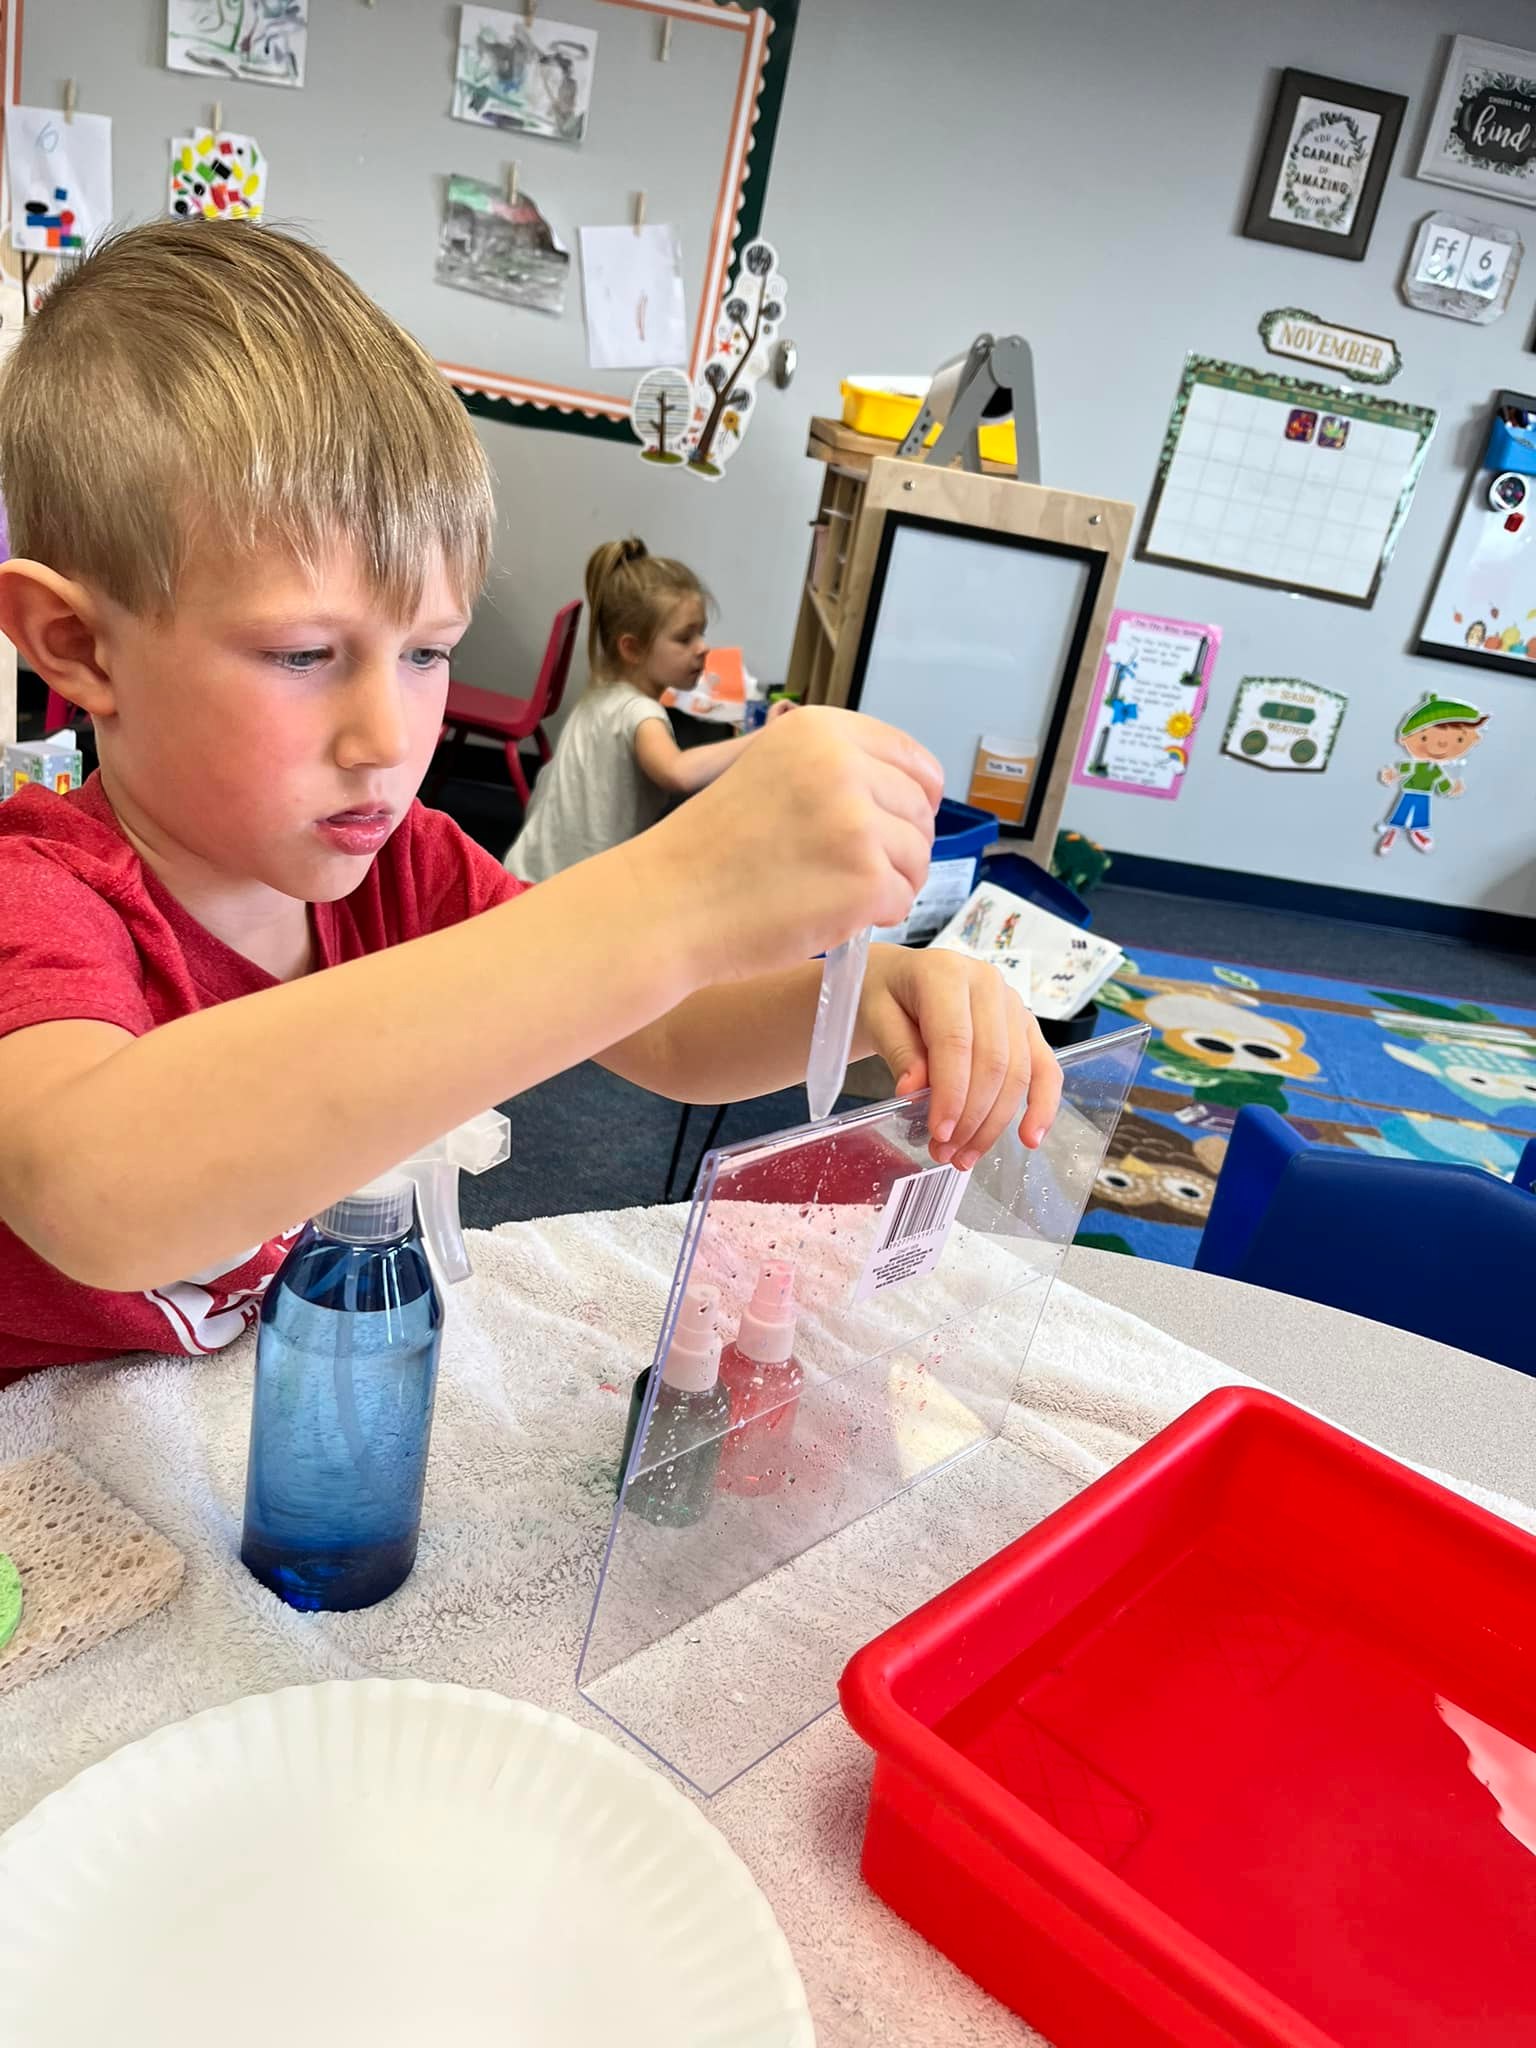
(689, 1418)
(762, 1379)
(346, 1374)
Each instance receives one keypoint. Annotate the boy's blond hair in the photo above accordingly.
(630, 591)
(213, 384)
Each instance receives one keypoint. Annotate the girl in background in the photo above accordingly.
(616, 766)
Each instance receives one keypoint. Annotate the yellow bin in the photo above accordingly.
(887, 406)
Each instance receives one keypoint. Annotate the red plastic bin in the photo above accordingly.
(1238, 1747)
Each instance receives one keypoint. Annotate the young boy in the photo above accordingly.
(242, 971)
(1440, 729)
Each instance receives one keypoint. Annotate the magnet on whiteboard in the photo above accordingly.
(1509, 491)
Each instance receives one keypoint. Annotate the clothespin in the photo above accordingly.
(512, 184)
(639, 211)
(530, 9)
(664, 51)
(69, 99)
(218, 116)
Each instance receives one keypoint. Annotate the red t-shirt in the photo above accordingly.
(87, 931)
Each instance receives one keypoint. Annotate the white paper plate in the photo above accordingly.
(375, 1863)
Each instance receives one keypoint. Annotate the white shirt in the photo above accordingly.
(594, 793)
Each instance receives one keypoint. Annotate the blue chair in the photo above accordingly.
(1445, 1251)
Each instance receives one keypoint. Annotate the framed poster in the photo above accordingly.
(1324, 164)
(1279, 480)
(1482, 135)
(1153, 679)
(1283, 723)
(1483, 608)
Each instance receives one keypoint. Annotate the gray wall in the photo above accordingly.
(1072, 169)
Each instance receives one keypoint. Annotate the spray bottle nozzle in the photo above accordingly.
(429, 1183)
(692, 1363)
(767, 1332)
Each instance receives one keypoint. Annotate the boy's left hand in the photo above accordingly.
(952, 1025)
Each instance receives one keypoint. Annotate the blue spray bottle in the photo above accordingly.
(346, 1372)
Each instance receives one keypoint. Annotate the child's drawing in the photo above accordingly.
(217, 176)
(262, 41)
(500, 249)
(516, 72)
(61, 179)
(632, 287)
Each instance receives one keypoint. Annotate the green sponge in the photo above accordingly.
(10, 1599)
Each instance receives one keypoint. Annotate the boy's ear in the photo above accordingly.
(53, 623)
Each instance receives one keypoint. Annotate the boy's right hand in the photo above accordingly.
(825, 825)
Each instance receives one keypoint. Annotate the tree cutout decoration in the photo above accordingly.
(661, 415)
(723, 396)
(700, 426)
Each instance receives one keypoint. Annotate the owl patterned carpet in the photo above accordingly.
(1401, 1075)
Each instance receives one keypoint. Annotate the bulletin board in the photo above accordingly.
(750, 62)
(1483, 610)
(360, 158)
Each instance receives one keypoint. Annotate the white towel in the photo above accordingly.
(541, 1349)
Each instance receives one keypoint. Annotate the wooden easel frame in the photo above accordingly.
(1096, 528)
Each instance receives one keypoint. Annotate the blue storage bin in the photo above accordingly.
(1021, 876)
(962, 832)
(1511, 448)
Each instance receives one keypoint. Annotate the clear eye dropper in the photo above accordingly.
(842, 983)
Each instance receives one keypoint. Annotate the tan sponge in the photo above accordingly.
(89, 1566)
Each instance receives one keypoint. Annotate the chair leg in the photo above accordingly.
(677, 1151)
(518, 775)
(541, 741)
(709, 1142)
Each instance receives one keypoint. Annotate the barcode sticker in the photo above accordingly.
(914, 1229)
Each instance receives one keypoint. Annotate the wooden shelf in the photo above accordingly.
(825, 618)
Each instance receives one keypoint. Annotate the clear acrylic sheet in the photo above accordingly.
(723, 1618)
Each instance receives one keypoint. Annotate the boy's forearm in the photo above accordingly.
(729, 1043)
(219, 1130)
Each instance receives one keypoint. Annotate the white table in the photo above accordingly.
(543, 1342)
(1464, 1415)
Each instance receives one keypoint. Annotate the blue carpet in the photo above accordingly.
(1378, 1070)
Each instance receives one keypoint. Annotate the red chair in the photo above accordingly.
(59, 712)
(514, 719)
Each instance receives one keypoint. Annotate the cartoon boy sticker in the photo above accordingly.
(1439, 730)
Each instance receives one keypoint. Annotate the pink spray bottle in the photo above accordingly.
(762, 1379)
